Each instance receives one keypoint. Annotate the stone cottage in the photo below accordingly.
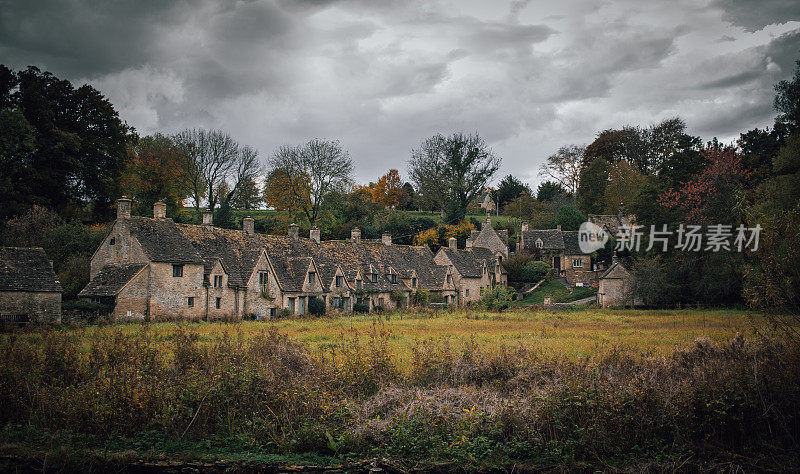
(29, 289)
(155, 269)
(616, 286)
(474, 269)
(560, 250)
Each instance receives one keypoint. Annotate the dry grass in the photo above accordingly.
(576, 333)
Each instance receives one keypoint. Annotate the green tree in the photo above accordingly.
(593, 184)
(153, 173)
(453, 170)
(247, 195)
(509, 189)
(550, 191)
(17, 148)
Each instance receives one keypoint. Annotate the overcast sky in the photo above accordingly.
(380, 76)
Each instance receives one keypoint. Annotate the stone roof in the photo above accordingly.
(552, 239)
(163, 241)
(611, 222)
(571, 243)
(616, 272)
(231, 247)
(111, 280)
(464, 262)
(26, 269)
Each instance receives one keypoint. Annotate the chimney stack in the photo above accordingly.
(208, 218)
(159, 210)
(452, 243)
(123, 208)
(614, 258)
(524, 227)
(249, 225)
(314, 234)
(293, 232)
(488, 220)
(558, 227)
(468, 244)
(355, 235)
(386, 238)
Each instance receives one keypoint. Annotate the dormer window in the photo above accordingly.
(217, 281)
(339, 281)
(112, 241)
(539, 244)
(374, 278)
(393, 278)
(414, 282)
(358, 284)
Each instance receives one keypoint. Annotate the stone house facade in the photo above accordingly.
(155, 269)
(616, 287)
(560, 249)
(29, 289)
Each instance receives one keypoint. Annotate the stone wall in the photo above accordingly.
(124, 250)
(41, 307)
(131, 302)
(169, 295)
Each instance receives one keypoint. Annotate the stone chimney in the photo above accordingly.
(488, 220)
(159, 210)
(386, 238)
(524, 227)
(355, 235)
(208, 218)
(249, 225)
(614, 258)
(558, 227)
(452, 243)
(621, 210)
(123, 208)
(468, 244)
(314, 234)
(294, 232)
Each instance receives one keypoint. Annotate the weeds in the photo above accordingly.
(453, 402)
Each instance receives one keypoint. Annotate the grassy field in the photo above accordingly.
(572, 333)
(462, 390)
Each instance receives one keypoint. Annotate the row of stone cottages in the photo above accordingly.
(153, 268)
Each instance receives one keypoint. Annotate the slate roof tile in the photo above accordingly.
(111, 279)
(26, 269)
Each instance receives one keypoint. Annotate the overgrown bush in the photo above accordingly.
(360, 308)
(419, 298)
(316, 307)
(732, 404)
(497, 298)
(536, 271)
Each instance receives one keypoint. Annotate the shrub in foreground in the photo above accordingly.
(736, 402)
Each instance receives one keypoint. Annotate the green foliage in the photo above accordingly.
(497, 298)
(550, 191)
(315, 306)
(569, 218)
(535, 271)
(419, 298)
(508, 189)
(360, 307)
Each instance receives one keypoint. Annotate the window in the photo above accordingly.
(272, 313)
(466, 293)
(335, 301)
(291, 305)
(393, 278)
(311, 277)
(218, 303)
(374, 278)
(177, 271)
(414, 282)
(539, 244)
(358, 284)
(112, 241)
(190, 302)
(449, 278)
(339, 280)
(380, 302)
(263, 278)
(217, 281)
(577, 262)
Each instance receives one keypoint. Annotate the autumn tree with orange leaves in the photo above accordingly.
(152, 173)
(388, 191)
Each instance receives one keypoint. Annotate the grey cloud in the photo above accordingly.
(756, 15)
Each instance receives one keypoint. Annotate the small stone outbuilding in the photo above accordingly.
(29, 289)
(616, 287)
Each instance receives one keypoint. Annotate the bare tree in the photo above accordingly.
(312, 171)
(565, 167)
(211, 158)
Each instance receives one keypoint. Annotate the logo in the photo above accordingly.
(591, 237)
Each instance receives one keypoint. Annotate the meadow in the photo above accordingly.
(461, 390)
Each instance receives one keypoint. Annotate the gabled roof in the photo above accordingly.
(26, 269)
(552, 239)
(111, 280)
(571, 243)
(616, 272)
(231, 247)
(163, 241)
(464, 262)
(611, 222)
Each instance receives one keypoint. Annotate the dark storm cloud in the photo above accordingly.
(754, 15)
(382, 75)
